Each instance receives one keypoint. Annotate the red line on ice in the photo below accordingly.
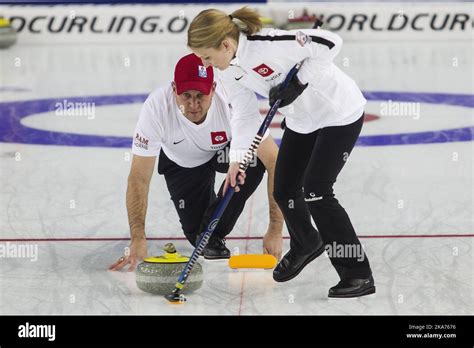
(105, 239)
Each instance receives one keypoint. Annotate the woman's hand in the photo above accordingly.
(231, 177)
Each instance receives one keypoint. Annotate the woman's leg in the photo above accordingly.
(293, 156)
(332, 147)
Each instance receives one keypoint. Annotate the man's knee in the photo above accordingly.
(192, 226)
(191, 237)
(258, 169)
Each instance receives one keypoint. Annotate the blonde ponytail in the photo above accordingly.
(210, 27)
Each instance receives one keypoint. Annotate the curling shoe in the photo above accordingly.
(348, 288)
(215, 249)
(292, 264)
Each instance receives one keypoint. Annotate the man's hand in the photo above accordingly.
(137, 252)
(272, 243)
(231, 177)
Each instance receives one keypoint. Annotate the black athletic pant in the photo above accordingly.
(306, 170)
(193, 195)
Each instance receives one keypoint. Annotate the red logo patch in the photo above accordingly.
(263, 70)
(218, 137)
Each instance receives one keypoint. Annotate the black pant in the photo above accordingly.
(193, 195)
(306, 170)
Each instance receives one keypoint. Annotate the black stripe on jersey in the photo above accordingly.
(317, 39)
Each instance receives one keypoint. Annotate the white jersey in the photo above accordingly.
(262, 61)
(161, 125)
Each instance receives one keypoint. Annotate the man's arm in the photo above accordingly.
(272, 242)
(137, 194)
(137, 200)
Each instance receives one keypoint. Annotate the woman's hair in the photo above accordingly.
(210, 27)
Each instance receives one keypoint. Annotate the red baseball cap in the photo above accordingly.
(190, 74)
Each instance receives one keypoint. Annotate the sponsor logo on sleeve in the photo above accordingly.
(263, 70)
(141, 142)
(302, 38)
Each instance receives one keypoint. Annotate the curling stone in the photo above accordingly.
(158, 274)
(7, 33)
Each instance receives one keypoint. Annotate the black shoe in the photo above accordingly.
(353, 288)
(292, 264)
(215, 249)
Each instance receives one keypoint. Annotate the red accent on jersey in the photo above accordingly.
(263, 70)
(218, 137)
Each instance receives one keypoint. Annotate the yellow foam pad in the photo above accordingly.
(252, 261)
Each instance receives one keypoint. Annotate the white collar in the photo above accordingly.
(241, 46)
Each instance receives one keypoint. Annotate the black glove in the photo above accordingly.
(288, 94)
